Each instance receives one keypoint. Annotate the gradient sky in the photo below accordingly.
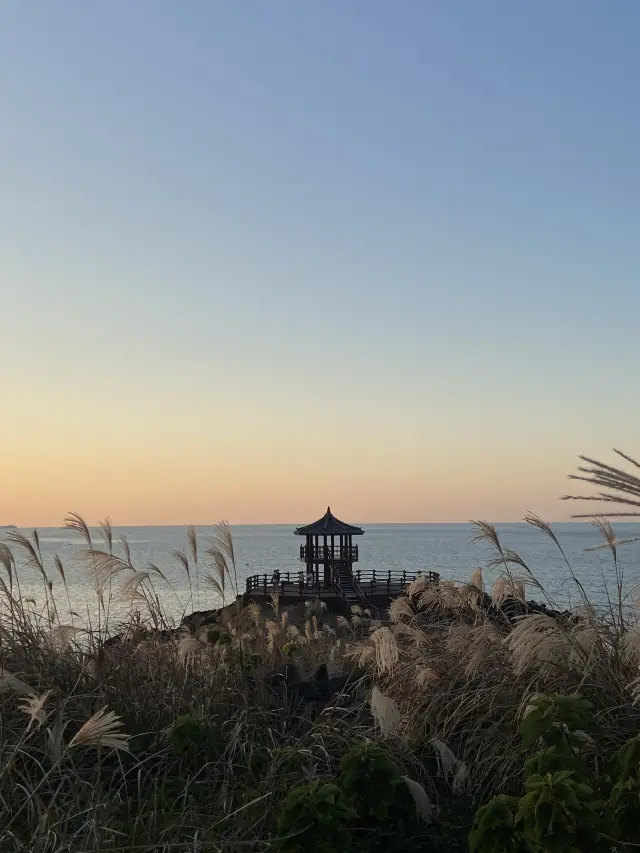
(257, 257)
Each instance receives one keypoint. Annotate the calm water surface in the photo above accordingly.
(446, 548)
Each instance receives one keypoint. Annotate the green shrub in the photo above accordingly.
(370, 800)
(557, 812)
(191, 736)
(368, 777)
(494, 827)
(314, 820)
(566, 805)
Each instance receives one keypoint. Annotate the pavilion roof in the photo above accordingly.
(329, 525)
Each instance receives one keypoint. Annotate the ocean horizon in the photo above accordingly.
(448, 549)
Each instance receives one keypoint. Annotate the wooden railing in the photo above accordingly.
(283, 582)
(367, 583)
(371, 582)
(326, 553)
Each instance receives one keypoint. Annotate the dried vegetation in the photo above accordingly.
(173, 740)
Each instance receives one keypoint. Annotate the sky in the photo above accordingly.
(256, 258)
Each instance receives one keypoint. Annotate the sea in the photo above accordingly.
(449, 549)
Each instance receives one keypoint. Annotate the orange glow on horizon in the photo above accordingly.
(181, 490)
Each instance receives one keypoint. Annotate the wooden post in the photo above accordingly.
(327, 564)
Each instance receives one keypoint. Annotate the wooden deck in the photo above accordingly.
(373, 588)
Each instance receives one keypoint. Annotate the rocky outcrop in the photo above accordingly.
(508, 611)
(199, 618)
(321, 687)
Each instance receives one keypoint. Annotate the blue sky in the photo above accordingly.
(215, 217)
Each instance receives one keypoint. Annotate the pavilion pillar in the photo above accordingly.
(327, 564)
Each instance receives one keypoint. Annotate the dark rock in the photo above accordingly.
(321, 673)
(199, 618)
(288, 674)
(319, 688)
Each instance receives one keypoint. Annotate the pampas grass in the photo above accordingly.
(73, 778)
(401, 609)
(477, 580)
(443, 679)
(425, 676)
(460, 779)
(538, 639)
(386, 649)
(465, 682)
(60, 636)
(620, 487)
(447, 762)
(385, 712)
(424, 807)
(367, 656)
(499, 590)
(418, 586)
(458, 639)
(187, 648)
(33, 707)
(102, 729)
(418, 637)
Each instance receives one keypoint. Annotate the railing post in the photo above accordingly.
(265, 586)
(404, 577)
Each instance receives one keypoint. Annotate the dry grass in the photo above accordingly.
(460, 676)
(89, 755)
(620, 487)
(88, 758)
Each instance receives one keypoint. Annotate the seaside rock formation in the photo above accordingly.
(199, 618)
(320, 688)
(508, 611)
